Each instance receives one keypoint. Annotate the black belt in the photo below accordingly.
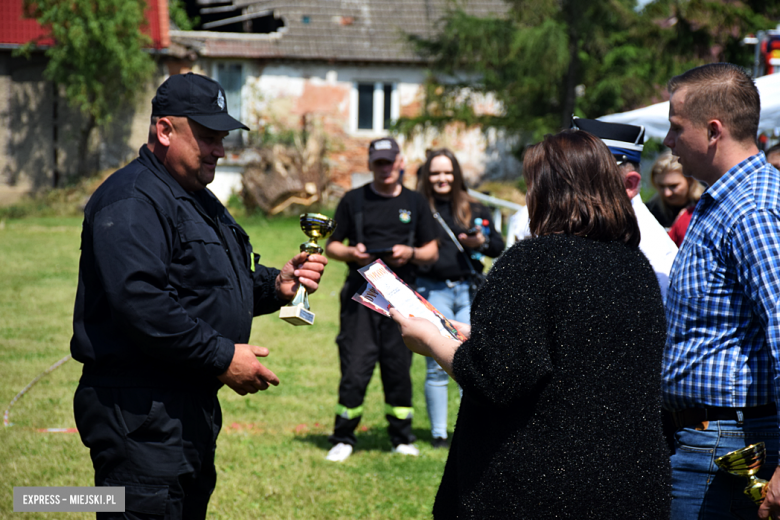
(694, 416)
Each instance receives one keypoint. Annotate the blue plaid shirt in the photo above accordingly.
(723, 347)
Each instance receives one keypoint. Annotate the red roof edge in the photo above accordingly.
(17, 30)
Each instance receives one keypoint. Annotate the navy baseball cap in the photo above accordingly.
(624, 141)
(386, 148)
(197, 97)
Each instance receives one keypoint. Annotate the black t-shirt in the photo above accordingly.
(451, 264)
(387, 221)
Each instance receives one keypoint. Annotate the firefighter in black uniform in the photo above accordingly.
(168, 285)
(382, 219)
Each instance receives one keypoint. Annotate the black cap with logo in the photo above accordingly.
(386, 148)
(197, 97)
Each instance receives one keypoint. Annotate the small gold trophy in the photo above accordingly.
(746, 462)
(316, 226)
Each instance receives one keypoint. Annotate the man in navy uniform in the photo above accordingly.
(168, 286)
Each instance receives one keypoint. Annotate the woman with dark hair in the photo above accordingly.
(466, 235)
(561, 408)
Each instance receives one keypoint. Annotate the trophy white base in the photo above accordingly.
(296, 314)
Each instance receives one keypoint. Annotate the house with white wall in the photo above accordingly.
(342, 66)
(345, 65)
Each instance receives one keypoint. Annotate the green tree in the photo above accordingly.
(692, 32)
(98, 56)
(178, 14)
(544, 60)
(532, 61)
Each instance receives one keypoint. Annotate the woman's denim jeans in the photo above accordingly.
(702, 491)
(452, 299)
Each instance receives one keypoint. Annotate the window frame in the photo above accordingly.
(378, 107)
(235, 138)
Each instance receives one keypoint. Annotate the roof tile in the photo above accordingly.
(341, 30)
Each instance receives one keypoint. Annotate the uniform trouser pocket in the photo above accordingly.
(139, 498)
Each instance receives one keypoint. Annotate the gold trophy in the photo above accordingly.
(746, 462)
(316, 226)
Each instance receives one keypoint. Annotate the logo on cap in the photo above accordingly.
(221, 101)
(383, 145)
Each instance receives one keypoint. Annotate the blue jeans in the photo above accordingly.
(452, 300)
(699, 489)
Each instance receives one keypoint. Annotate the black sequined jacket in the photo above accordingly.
(561, 408)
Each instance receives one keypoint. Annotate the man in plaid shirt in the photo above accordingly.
(722, 359)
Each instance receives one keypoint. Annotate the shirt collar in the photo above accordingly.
(154, 165)
(734, 177)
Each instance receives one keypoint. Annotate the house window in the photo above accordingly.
(365, 106)
(375, 106)
(231, 77)
(387, 113)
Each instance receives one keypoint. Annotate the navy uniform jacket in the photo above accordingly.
(168, 283)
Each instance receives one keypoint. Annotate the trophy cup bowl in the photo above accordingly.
(746, 462)
(315, 226)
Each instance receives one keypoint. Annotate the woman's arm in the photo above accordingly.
(506, 357)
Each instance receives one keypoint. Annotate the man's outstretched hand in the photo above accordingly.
(304, 269)
(246, 375)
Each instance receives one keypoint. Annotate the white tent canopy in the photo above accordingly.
(655, 118)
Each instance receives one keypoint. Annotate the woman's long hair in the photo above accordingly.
(575, 188)
(459, 197)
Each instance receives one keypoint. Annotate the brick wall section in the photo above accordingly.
(327, 106)
(353, 158)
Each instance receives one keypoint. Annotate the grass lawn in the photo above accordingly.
(270, 456)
